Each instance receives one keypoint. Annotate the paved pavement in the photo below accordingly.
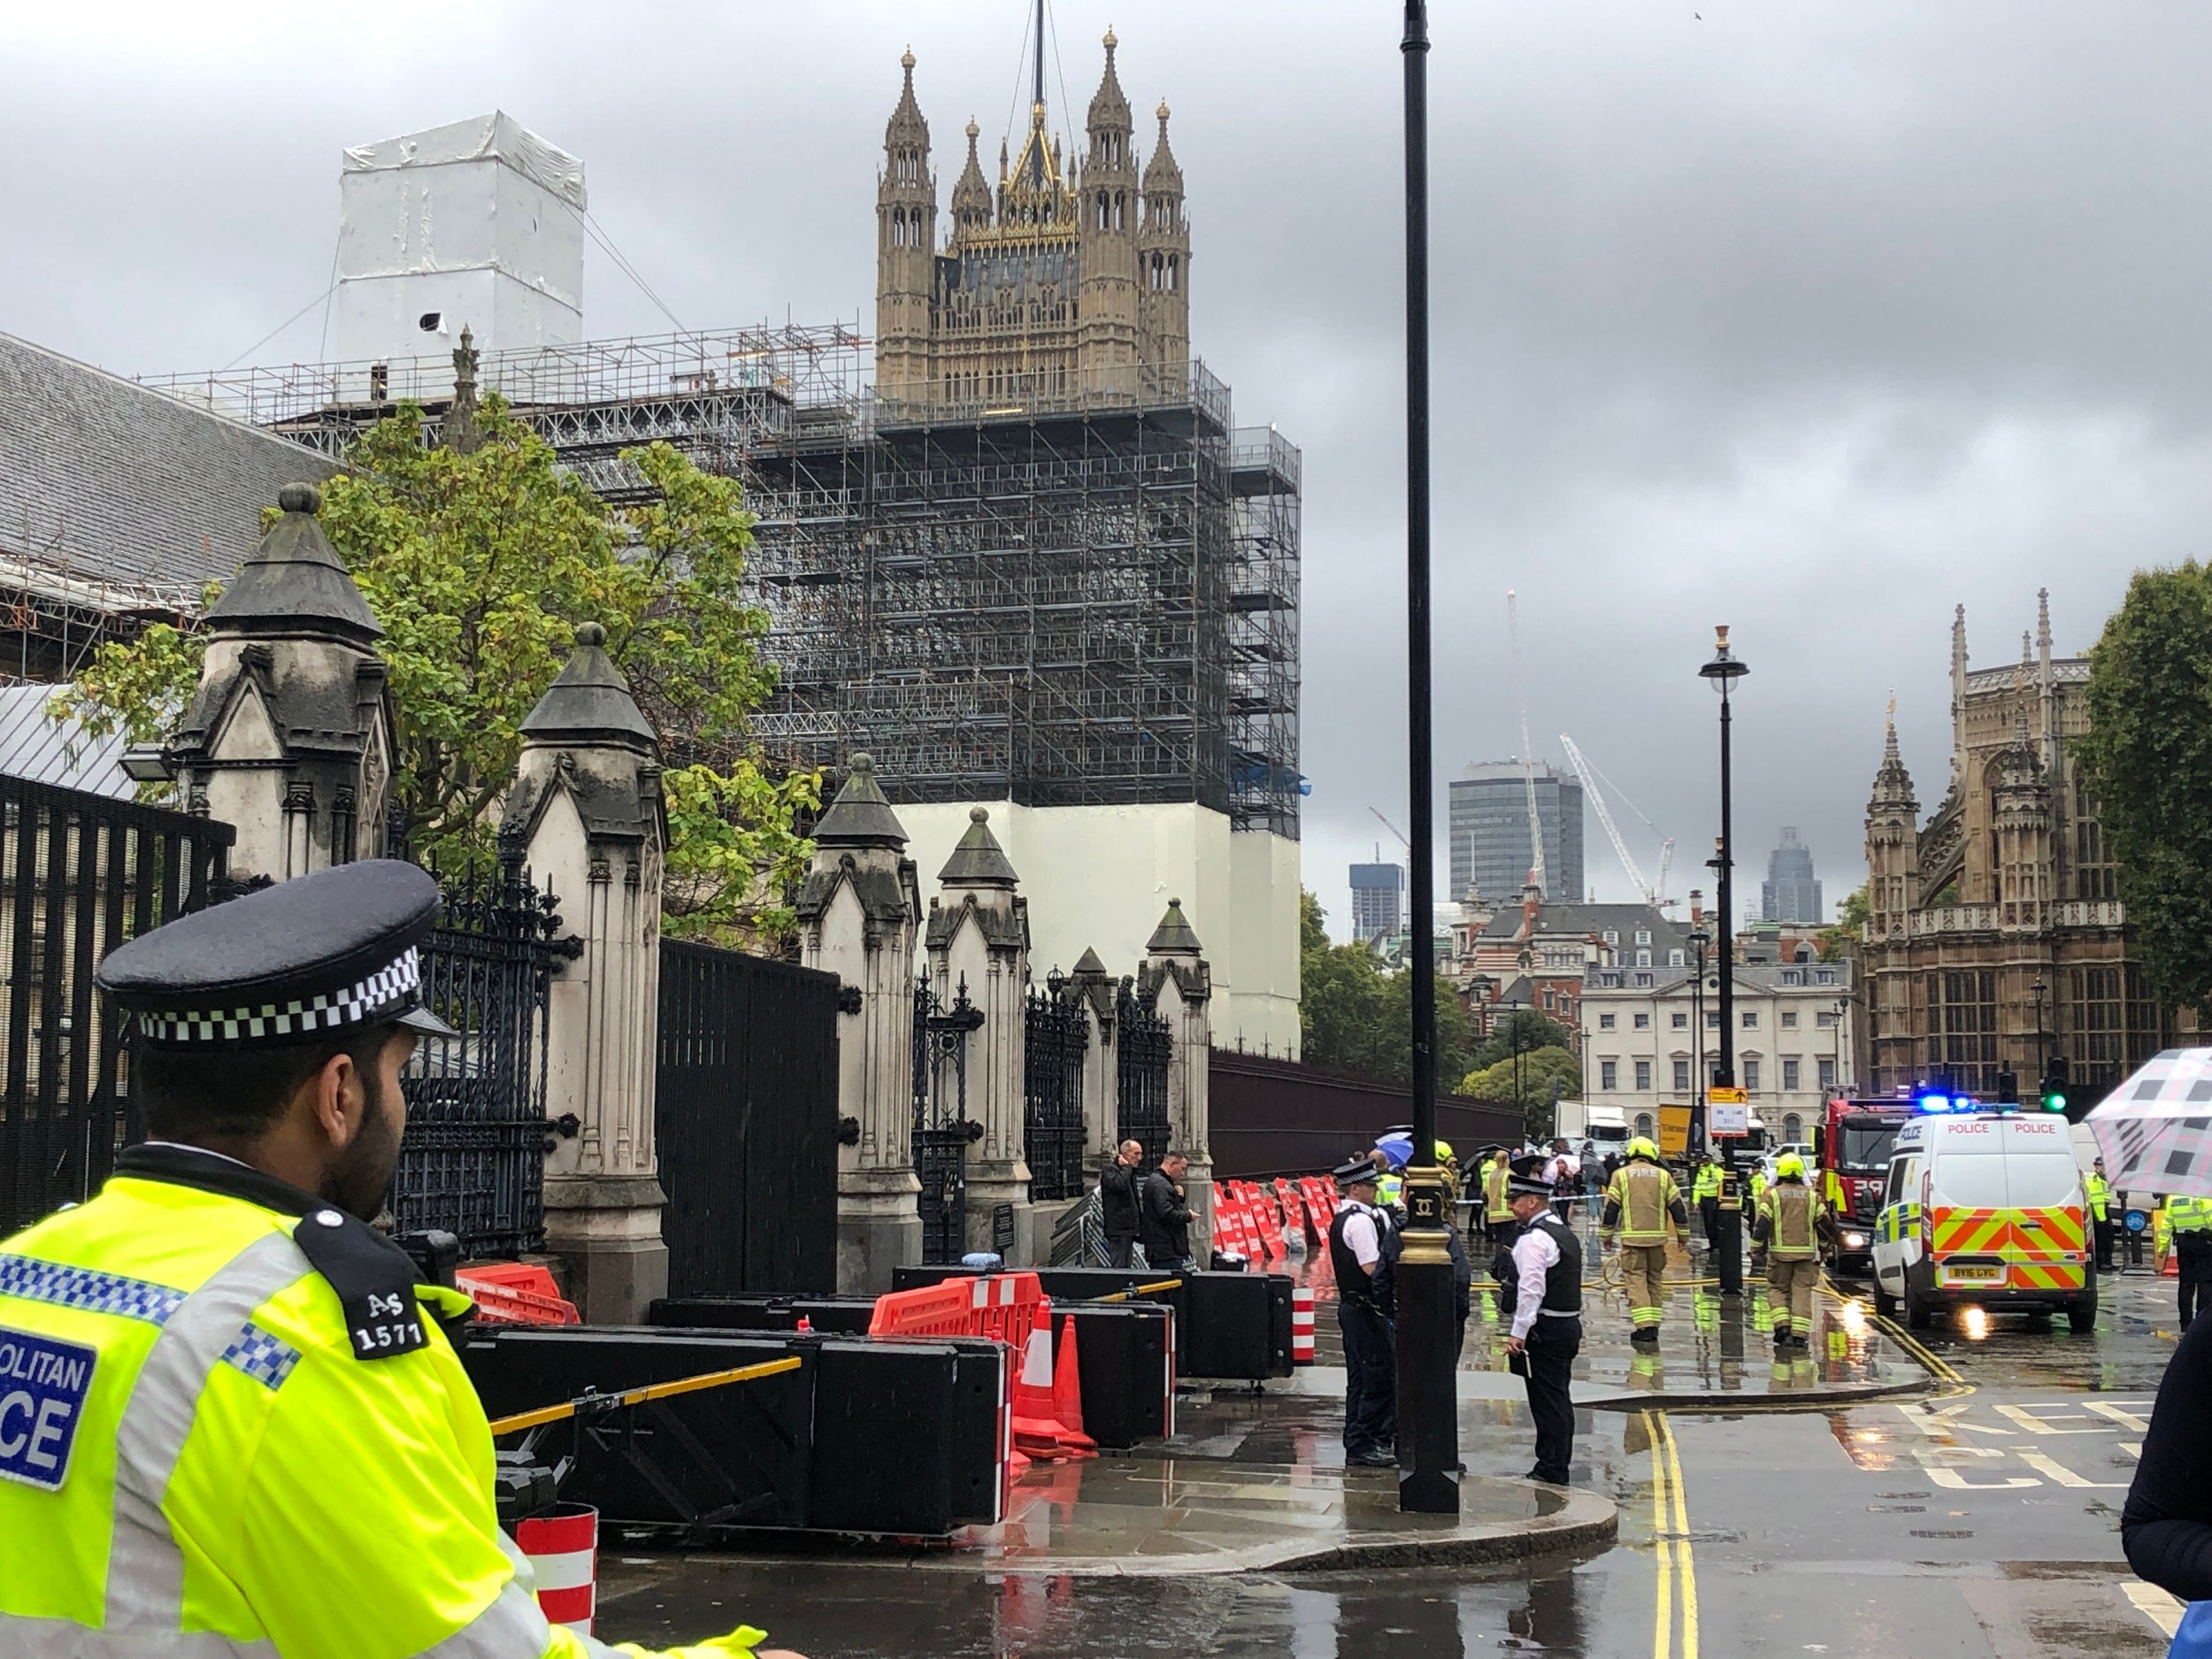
(1977, 1516)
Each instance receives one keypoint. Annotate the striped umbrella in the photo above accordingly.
(2155, 1130)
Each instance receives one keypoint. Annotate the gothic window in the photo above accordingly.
(1963, 1027)
(1121, 206)
(1173, 261)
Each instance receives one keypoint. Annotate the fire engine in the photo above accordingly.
(1855, 1139)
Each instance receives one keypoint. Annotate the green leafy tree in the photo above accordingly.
(1532, 1085)
(1356, 1017)
(1833, 944)
(480, 566)
(1525, 1028)
(2148, 760)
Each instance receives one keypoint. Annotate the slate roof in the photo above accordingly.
(33, 745)
(1579, 921)
(113, 481)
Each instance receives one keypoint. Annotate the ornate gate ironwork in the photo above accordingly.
(473, 1161)
(942, 1132)
(1056, 1034)
(1142, 1044)
(79, 874)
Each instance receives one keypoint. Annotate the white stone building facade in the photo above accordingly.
(1641, 1045)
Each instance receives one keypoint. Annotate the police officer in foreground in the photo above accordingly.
(1370, 1360)
(247, 1430)
(1540, 1295)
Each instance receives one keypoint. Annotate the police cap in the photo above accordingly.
(329, 954)
(1524, 1177)
(1354, 1172)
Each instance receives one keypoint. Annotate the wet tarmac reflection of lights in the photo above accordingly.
(1974, 1323)
(1851, 1314)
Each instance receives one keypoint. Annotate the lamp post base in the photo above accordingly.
(1428, 1354)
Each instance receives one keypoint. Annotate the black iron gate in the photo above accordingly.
(942, 1131)
(473, 1161)
(79, 874)
(748, 1123)
(1142, 1044)
(1056, 1034)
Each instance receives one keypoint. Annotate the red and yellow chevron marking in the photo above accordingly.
(2037, 1244)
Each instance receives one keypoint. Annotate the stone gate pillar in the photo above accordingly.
(1181, 985)
(859, 911)
(1094, 989)
(588, 797)
(979, 934)
(288, 735)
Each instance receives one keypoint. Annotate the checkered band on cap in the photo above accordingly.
(391, 991)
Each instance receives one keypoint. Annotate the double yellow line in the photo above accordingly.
(1671, 1530)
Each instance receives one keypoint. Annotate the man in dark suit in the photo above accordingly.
(1117, 1184)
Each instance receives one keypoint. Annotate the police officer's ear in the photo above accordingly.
(337, 1096)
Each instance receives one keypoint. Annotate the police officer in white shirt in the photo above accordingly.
(1541, 1296)
(1370, 1361)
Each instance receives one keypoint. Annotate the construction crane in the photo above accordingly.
(1528, 758)
(1654, 895)
(1393, 828)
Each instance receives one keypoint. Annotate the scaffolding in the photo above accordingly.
(1088, 598)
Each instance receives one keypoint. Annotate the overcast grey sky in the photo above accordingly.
(1812, 318)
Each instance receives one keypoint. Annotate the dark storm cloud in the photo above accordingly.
(1812, 318)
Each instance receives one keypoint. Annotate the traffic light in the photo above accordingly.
(2007, 1088)
(2055, 1084)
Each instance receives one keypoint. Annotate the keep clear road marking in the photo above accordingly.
(1945, 1456)
(1671, 1530)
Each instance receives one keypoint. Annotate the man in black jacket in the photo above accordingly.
(2166, 1525)
(1117, 1202)
(1163, 1215)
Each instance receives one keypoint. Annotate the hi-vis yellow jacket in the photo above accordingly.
(213, 1445)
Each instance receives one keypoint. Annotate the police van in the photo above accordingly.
(1985, 1208)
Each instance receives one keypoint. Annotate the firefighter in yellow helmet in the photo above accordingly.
(1791, 1222)
(248, 1432)
(1640, 1202)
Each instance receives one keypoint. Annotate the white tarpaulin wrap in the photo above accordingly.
(494, 135)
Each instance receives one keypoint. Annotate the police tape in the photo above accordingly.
(593, 1403)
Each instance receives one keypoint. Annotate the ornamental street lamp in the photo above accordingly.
(1428, 1326)
(1723, 671)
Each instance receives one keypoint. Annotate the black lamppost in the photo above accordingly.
(1428, 1327)
(1843, 1083)
(2042, 1044)
(1723, 671)
(1701, 941)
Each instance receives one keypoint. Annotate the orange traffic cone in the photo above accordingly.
(1067, 1392)
(1037, 1431)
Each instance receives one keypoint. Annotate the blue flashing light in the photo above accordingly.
(1933, 1102)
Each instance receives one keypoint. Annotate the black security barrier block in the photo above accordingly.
(1233, 1327)
(865, 1437)
(1123, 1363)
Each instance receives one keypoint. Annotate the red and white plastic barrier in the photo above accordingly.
(563, 1550)
(1302, 1325)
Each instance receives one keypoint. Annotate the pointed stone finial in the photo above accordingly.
(292, 583)
(589, 701)
(974, 132)
(1110, 42)
(978, 860)
(2043, 618)
(860, 816)
(1161, 114)
(1174, 936)
(906, 63)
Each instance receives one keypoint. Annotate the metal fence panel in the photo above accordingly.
(79, 874)
(1056, 1035)
(1142, 1045)
(473, 1160)
(747, 1107)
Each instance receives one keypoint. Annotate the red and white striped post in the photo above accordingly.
(563, 1545)
(1302, 1325)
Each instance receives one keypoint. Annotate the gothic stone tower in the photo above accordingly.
(1067, 288)
(906, 234)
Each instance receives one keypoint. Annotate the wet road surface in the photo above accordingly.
(1977, 1518)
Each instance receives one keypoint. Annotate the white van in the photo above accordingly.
(1985, 1208)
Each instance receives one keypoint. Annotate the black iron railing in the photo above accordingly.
(1056, 1036)
(942, 1129)
(1142, 1045)
(79, 874)
(473, 1161)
